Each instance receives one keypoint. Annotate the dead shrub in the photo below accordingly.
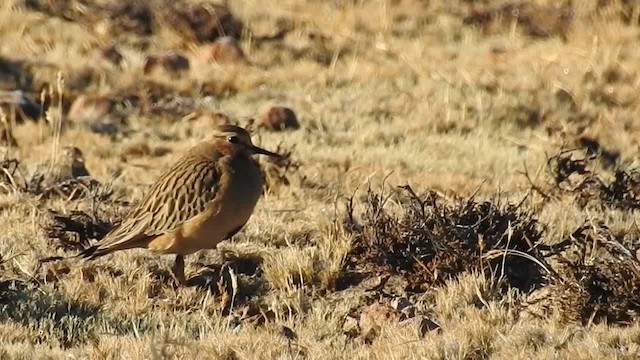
(596, 277)
(72, 231)
(433, 239)
(278, 172)
(553, 18)
(575, 172)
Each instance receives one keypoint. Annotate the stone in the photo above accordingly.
(278, 118)
(90, 108)
(224, 50)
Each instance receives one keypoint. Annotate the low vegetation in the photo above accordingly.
(460, 178)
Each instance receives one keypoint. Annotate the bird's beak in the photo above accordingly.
(262, 151)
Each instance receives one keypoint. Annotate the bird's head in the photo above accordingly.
(72, 154)
(234, 140)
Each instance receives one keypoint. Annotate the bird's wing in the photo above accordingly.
(183, 195)
(182, 192)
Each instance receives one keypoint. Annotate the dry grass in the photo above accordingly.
(462, 100)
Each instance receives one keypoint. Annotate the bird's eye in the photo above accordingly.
(233, 139)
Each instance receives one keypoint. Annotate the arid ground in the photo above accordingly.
(461, 183)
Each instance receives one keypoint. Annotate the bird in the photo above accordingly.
(67, 176)
(66, 168)
(70, 166)
(204, 198)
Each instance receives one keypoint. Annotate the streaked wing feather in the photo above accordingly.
(182, 192)
(192, 193)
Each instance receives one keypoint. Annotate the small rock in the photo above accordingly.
(89, 108)
(171, 62)
(223, 50)
(278, 118)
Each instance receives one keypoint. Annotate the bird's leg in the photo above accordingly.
(178, 270)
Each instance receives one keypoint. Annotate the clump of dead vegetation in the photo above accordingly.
(592, 275)
(70, 189)
(591, 176)
(199, 22)
(73, 230)
(278, 172)
(535, 19)
(67, 179)
(595, 277)
(432, 240)
(596, 272)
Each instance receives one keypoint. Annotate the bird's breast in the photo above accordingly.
(239, 190)
(245, 183)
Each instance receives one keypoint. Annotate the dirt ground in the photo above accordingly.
(461, 178)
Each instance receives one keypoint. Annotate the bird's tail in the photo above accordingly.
(101, 249)
(89, 253)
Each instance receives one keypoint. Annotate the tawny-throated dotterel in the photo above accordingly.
(206, 197)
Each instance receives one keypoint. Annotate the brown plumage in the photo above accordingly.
(204, 198)
(70, 165)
